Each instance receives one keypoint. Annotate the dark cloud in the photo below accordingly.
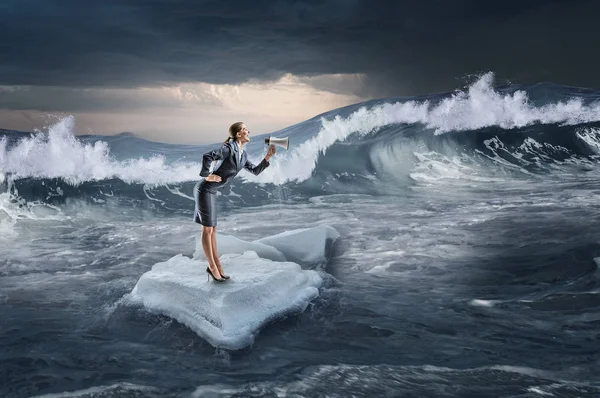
(70, 99)
(401, 46)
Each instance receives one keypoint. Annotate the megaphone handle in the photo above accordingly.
(270, 152)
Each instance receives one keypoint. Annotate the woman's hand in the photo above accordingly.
(213, 178)
(270, 152)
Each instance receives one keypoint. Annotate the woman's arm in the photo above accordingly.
(256, 170)
(211, 156)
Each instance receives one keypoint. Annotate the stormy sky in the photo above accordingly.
(182, 71)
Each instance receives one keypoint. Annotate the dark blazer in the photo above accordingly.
(229, 168)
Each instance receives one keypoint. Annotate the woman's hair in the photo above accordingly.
(233, 130)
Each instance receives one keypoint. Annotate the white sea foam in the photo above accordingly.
(14, 208)
(342, 380)
(591, 137)
(540, 391)
(118, 389)
(482, 303)
(7, 217)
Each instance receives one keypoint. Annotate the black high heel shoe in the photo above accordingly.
(211, 274)
(224, 276)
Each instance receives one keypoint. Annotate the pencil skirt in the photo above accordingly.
(205, 212)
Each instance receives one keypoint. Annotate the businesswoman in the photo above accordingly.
(232, 158)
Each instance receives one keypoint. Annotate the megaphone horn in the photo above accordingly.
(283, 142)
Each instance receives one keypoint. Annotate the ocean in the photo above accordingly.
(461, 261)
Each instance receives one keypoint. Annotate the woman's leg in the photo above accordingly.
(214, 251)
(207, 246)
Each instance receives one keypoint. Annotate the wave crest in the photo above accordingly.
(481, 106)
(59, 154)
(348, 140)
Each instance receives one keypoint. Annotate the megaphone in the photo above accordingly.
(283, 142)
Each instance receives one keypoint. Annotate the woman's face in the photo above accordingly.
(244, 135)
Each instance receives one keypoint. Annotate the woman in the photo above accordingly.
(233, 159)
